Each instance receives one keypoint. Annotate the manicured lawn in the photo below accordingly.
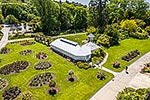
(77, 38)
(116, 52)
(86, 85)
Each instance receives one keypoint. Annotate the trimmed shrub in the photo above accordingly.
(83, 65)
(101, 75)
(116, 64)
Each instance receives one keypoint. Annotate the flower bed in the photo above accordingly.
(101, 75)
(13, 68)
(25, 52)
(27, 43)
(41, 55)
(42, 65)
(3, 83)
(41, 80)
(5, 50)
(131, 55)
(116, 64)
(146, 68)
(53, 89)
(11, 93)
(71, 77)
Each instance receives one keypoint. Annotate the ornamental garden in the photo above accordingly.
(33, 71)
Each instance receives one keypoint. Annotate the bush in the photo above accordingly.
(26, 95)
(103, 40)
(1, 19)
(83, 65)
(52, 83)
(98, 55)
(139, 35)
(132, 94)
(10, 19)
(147, 29)
(97, 59)
(101, 75)
(91, 29)
(20, 36)
(147, 70)
(116, 64)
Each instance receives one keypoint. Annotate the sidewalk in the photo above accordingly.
(4, 39)
(59, 36)
(122, 80)
(16, 40)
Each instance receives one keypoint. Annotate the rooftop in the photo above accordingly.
(71, 47)
(91, 36)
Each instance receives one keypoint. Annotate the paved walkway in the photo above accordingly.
(122, 80)
(100, 66)
(16, 40)
(68, 35)
(4, 39)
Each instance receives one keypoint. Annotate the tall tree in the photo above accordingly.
(97, 13)
(49, 11)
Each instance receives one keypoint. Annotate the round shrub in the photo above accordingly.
(101, 75)
(42, 65)
(52, 83)
(83, 65)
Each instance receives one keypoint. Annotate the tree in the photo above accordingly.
(103, 40)
(91, 29)
(113, 31)
(147, 29)
(1, 19)
(10, 19)
(97, 13)
(49, 11)
(36, 24)
(80, 18)
(129, 25)
(132, 94)
(0, 27)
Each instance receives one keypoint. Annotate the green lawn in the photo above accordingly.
(116, 52)
(77, 38)
(86, 85)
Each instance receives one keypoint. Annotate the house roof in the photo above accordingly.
(91, 35)
(71, 47)
(91, 45)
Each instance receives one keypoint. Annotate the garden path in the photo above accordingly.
(16, 40)
(4, 40)
(121, 80)
(68, 35)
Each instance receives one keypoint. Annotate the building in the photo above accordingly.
(73, 50)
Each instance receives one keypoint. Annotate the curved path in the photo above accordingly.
(122, 80)
(104, 68)
(59, 36)
(4, 40)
